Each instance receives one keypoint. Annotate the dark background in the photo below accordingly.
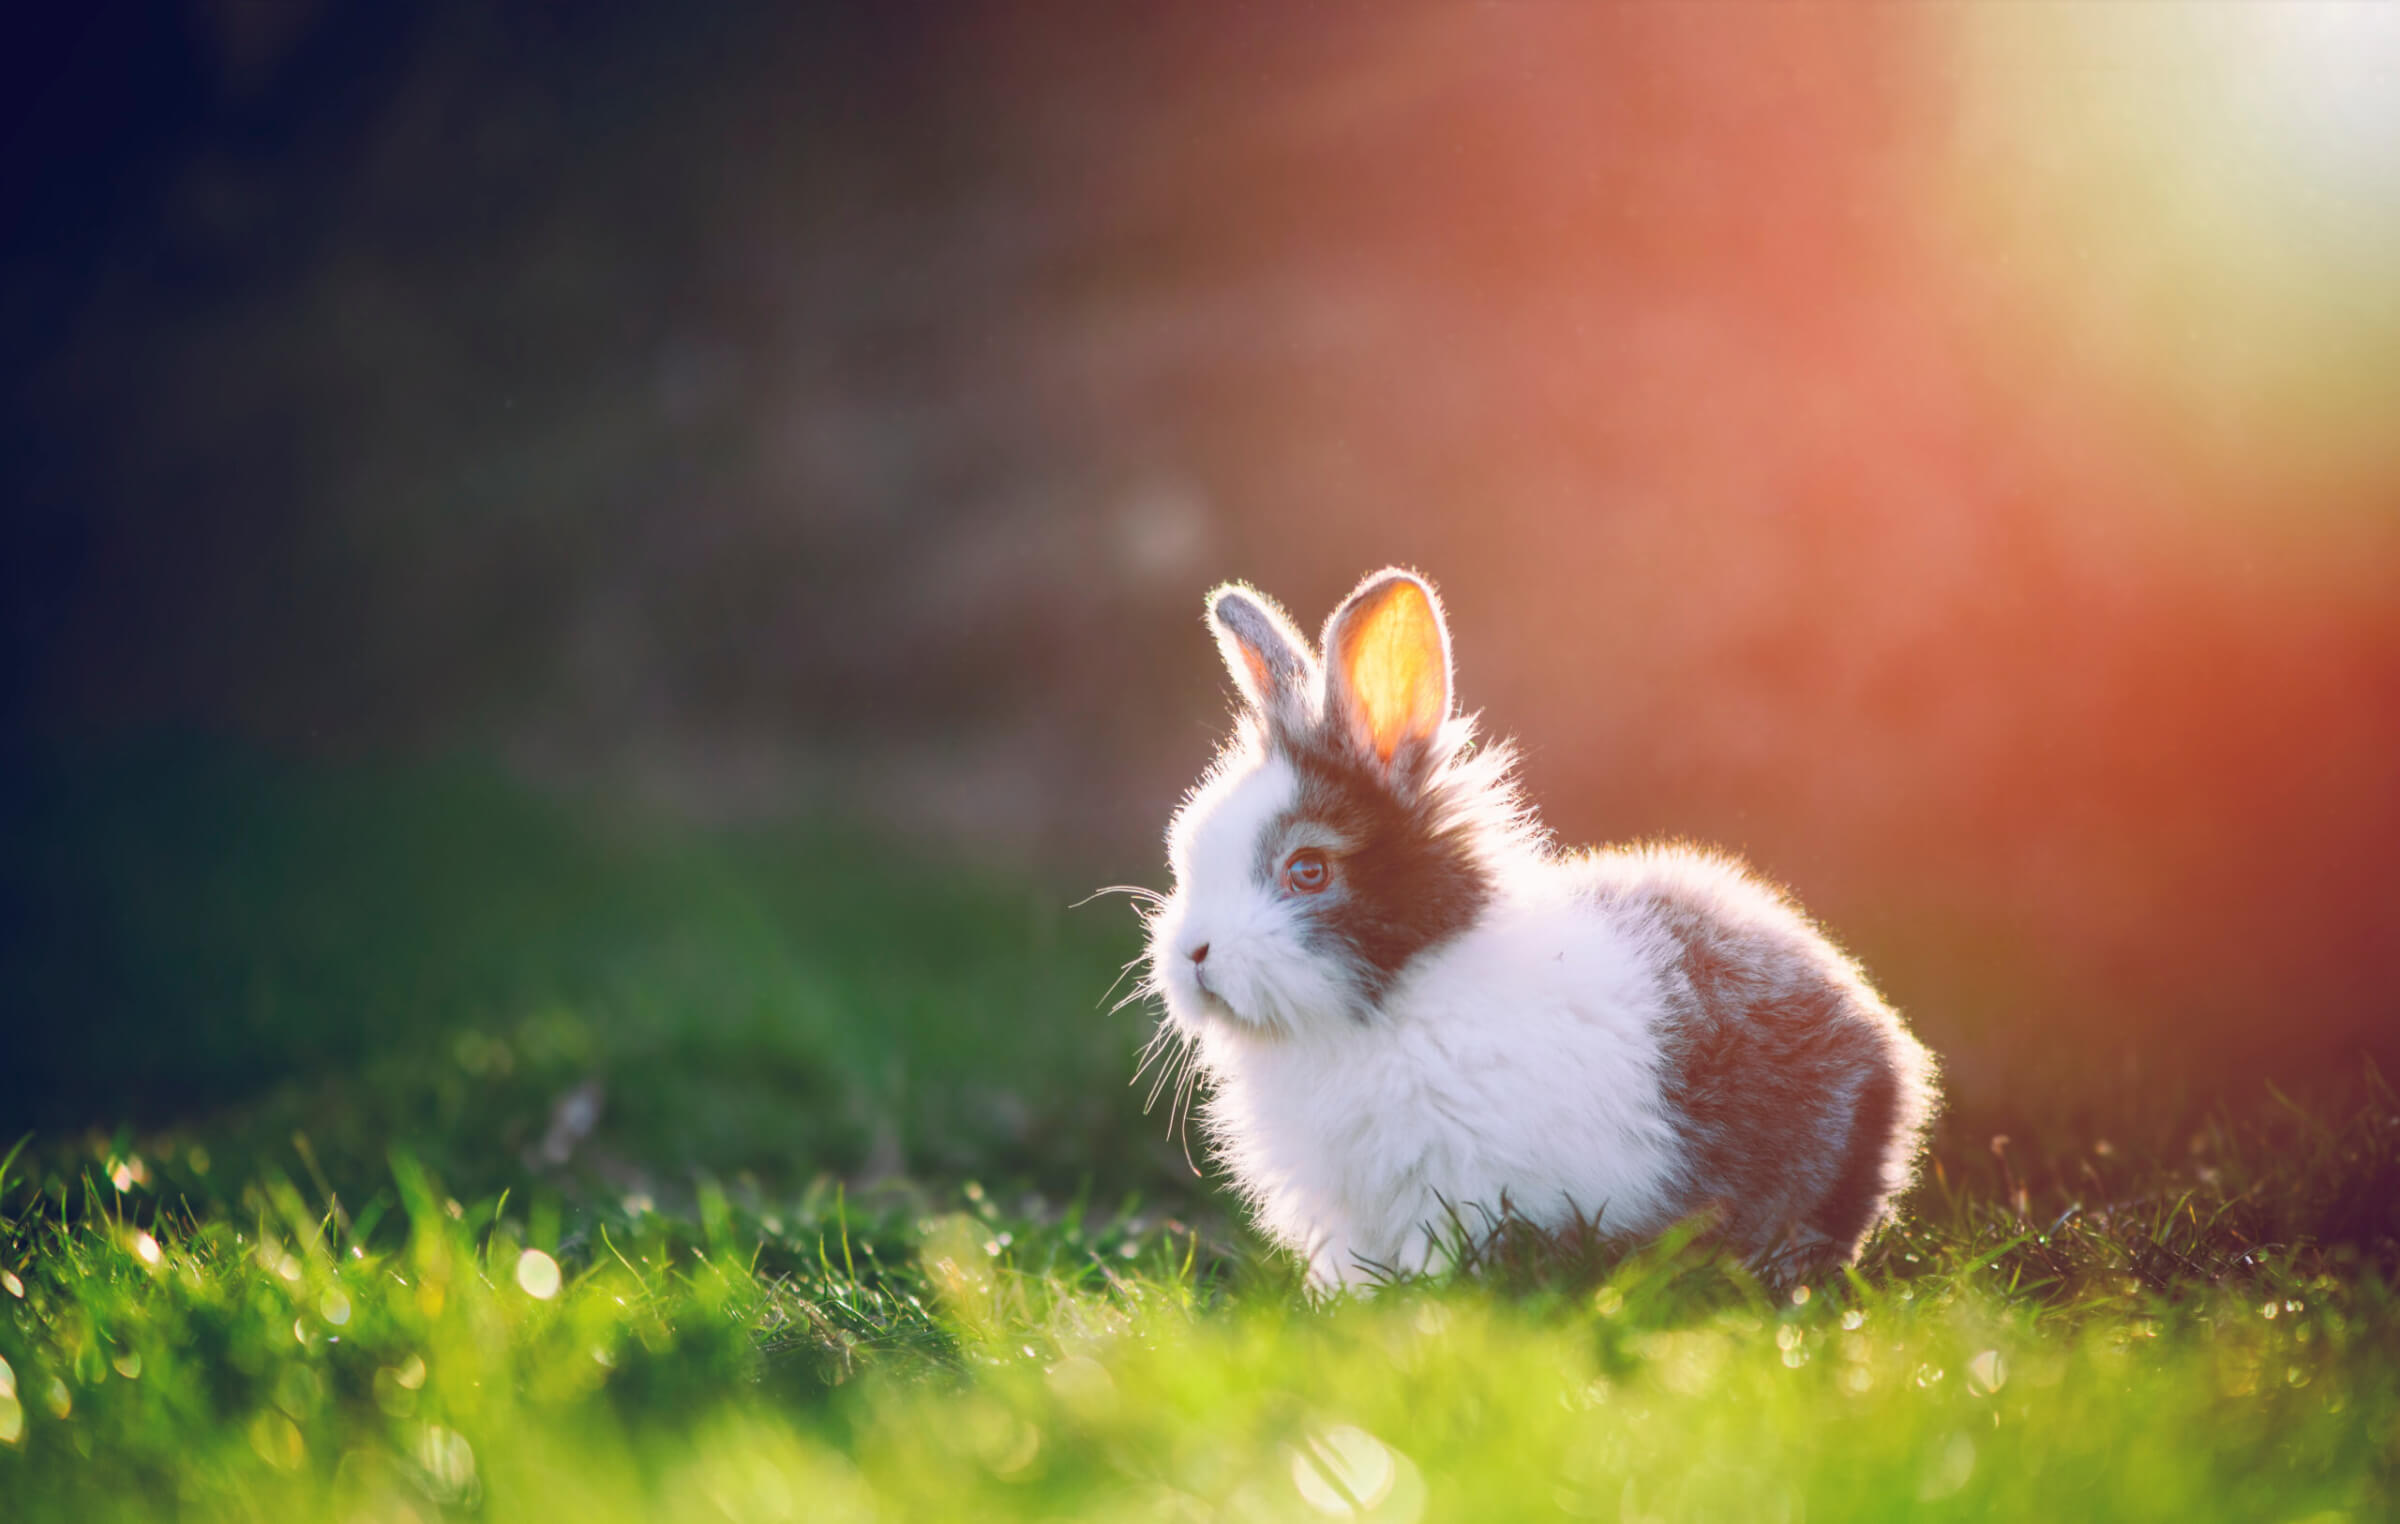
(1945, 454)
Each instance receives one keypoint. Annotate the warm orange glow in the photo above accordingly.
(1392, 655)
(1943, 452)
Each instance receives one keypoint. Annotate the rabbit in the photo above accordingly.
(1410, 1010)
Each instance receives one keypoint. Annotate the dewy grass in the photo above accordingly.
(869, 1228)
(809, 1360)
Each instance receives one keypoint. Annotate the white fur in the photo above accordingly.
(1257, 967)
(1519, 1058)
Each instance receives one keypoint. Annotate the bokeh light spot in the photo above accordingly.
(1344, 1472)
(1987, 1372)
(448, 1463)
(537, 1275)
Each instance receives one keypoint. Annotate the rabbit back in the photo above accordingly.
(1801, 1098)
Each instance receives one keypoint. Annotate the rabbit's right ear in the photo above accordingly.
(1266, 653)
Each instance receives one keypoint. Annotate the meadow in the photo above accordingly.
(470, 1155)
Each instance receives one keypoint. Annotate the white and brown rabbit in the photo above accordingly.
(1413, 1012)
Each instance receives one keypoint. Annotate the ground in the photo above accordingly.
(491, 1157)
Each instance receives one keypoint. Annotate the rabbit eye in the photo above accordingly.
(1306, 872)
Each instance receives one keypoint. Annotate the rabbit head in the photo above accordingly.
(1345, 829)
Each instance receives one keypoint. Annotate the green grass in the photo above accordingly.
(870, 1227)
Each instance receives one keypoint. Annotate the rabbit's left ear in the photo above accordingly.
(1387, 669)
(1267, 657)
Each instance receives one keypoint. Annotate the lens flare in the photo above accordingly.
(2198, 208)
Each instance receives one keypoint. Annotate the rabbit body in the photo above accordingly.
(1414, 1014)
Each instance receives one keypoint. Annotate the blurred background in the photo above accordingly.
(1950, 454)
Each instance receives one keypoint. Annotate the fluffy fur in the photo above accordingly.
(1457, 1021)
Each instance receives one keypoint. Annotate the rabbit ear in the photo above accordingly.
(1266, 654)
(1387, 669)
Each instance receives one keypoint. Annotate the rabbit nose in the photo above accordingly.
(1200, 955)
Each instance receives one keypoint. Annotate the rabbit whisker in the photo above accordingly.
(1133, 891)
(1152, 1051)
(1113, 983)
(1179, 1061)
(1179, 1118)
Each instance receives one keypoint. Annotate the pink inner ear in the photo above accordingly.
(1261, 682)
(1392, 657)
